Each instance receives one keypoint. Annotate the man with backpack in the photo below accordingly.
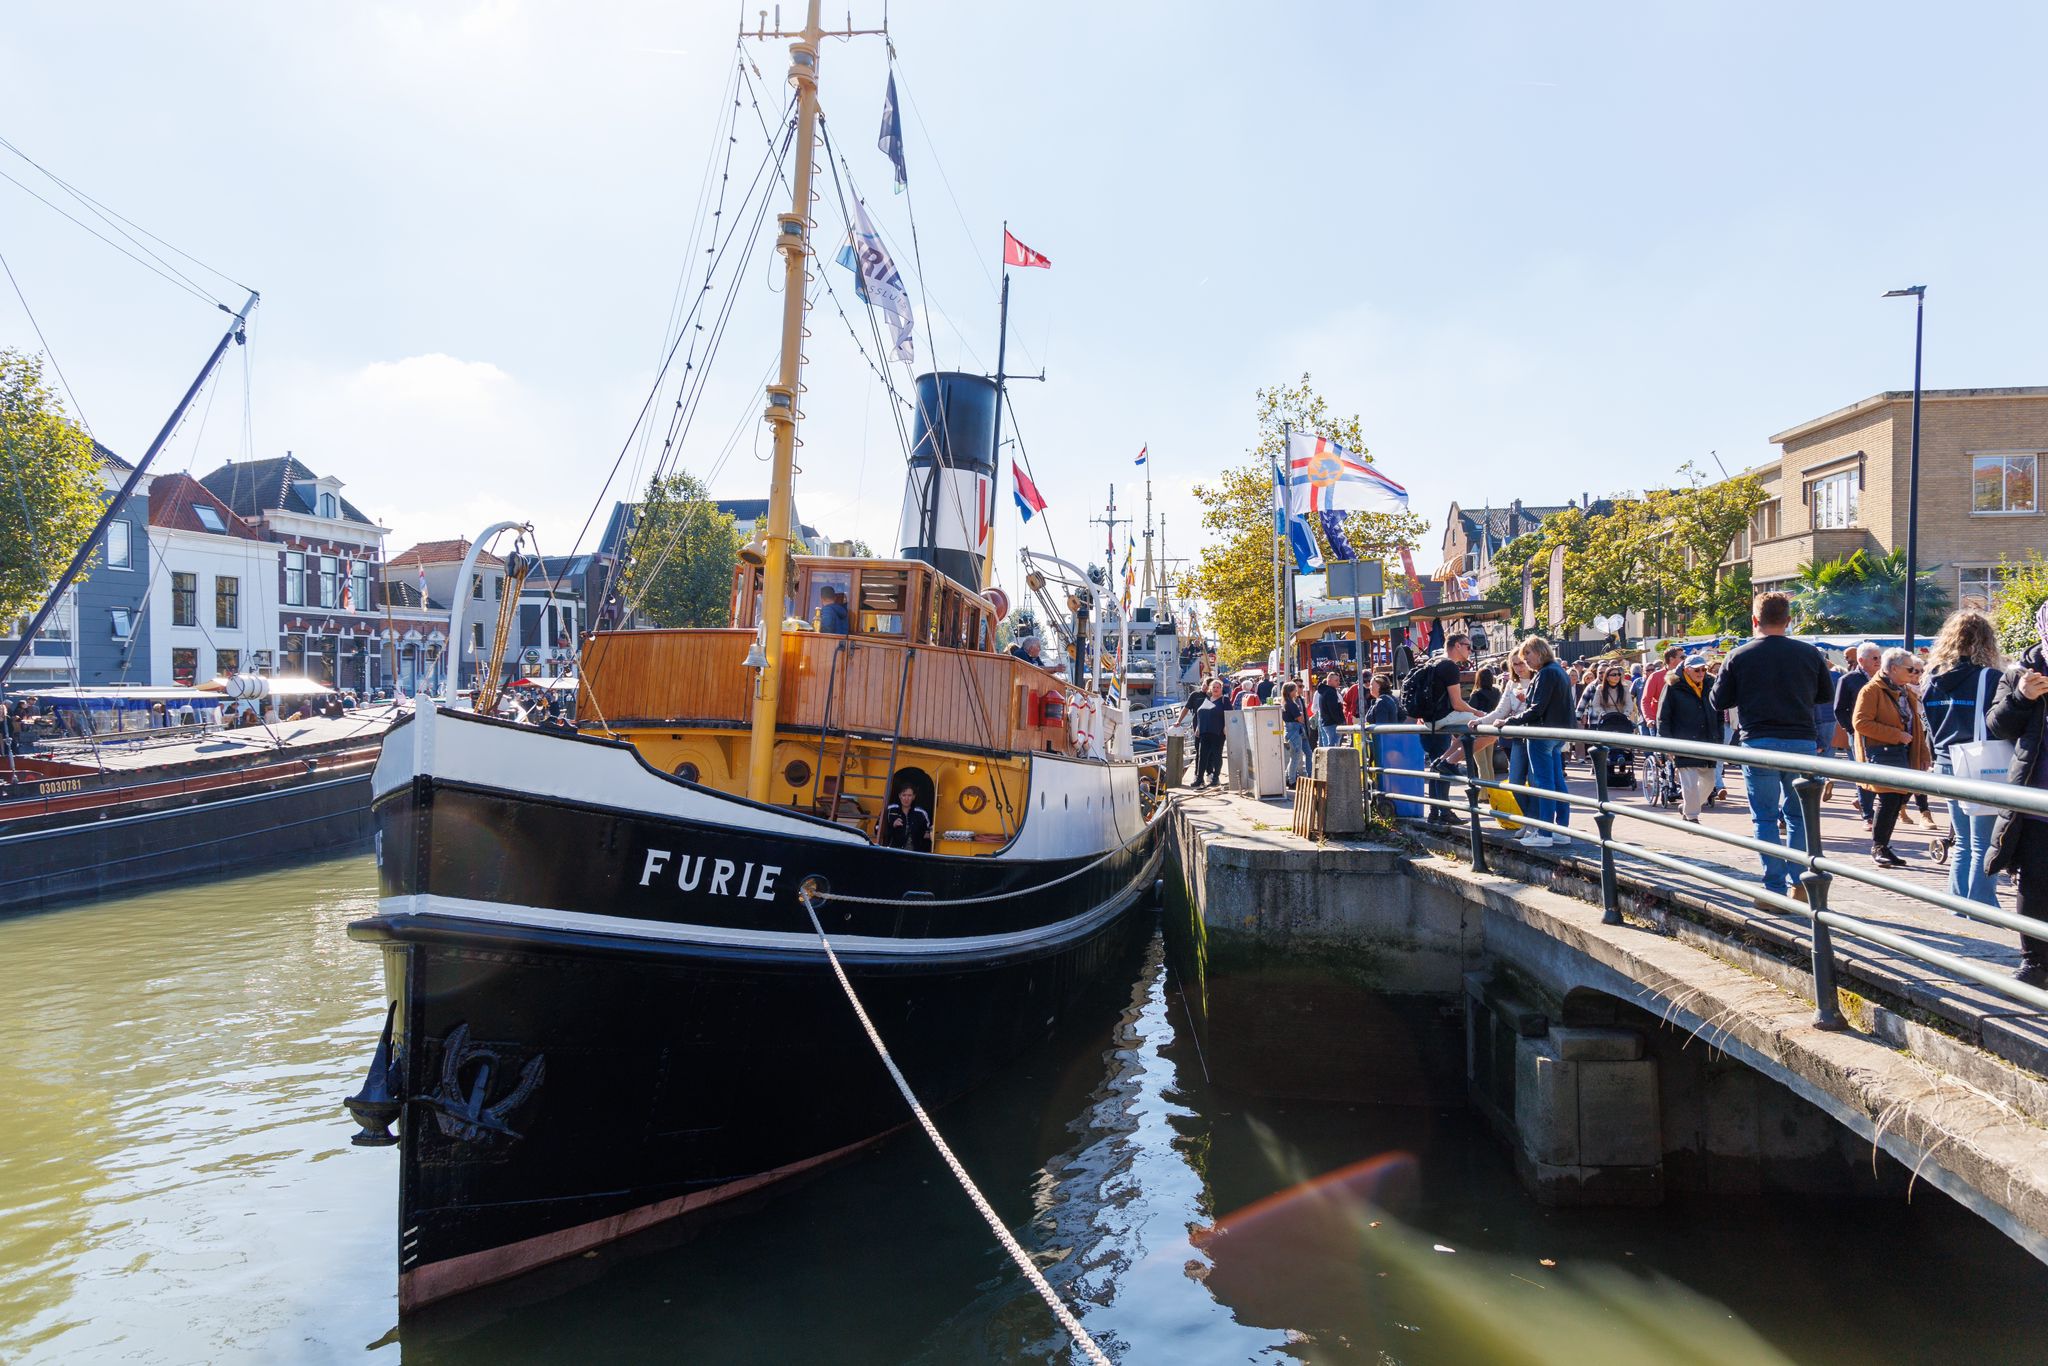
(1430, 693)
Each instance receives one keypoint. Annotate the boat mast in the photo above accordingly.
(234, 333)
(793, 240)
(1150, 591)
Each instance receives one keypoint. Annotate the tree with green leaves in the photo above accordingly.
(684, 552)
(2022, 588)
(1857, 592)
(50, 491)
(1233, 575)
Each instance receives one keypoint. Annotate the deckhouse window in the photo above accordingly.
(882, 596)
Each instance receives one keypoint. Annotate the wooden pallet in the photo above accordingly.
(1310, 795)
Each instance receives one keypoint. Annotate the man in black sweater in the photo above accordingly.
(1772, 684)
(1866, 659)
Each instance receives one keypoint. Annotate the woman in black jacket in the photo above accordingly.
(2019, 843)
(1683, 714)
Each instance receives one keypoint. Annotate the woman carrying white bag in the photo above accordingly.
(1963, 669)
(2019, 844)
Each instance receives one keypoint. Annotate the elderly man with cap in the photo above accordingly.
(1683, 714)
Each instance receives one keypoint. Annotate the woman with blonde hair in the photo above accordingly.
(1549, 705)
(1965, 666)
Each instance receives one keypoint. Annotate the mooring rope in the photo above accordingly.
(931, 1131)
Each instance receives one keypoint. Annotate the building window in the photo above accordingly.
(227, 601)
(476, 632)
(227, 663)
(119, 553)
(292, 654)
(476, 586)
(1978, 588)
(327, 505)
(185, 600)
(124, 623)
(1764, 523)
(294, 578)
(1834, 501)
(208, 518)
(330, 581)
(2003, 483)
(184, 666)
(498, 587)
(359, 585)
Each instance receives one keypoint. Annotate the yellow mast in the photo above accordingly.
(793, 240)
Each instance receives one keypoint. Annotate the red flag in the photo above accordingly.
(1015, 253)
(1029, 500)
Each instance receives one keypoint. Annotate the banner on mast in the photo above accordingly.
(1015, 253)
(877, 280)
(1528, 595)
(1557, 588)
(891, 140)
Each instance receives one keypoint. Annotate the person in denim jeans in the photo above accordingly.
(1966, 666)
(1549, 706)
(1294, 723)
(1772, 684)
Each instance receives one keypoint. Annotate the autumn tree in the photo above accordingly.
(679, 570)
(50, 492)
(1233, 574)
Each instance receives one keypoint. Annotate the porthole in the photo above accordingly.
(796, 773)
(687, 771)
(972, 799)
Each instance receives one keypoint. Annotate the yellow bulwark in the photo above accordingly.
(913, 692)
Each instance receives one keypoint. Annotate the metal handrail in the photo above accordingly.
(1817, 869)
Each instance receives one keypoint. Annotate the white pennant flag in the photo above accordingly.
(879, 282)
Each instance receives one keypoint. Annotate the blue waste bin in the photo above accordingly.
(1403, 751)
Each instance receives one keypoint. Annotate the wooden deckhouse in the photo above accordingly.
(914, 693)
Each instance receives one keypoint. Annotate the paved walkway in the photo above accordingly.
(1843, 838)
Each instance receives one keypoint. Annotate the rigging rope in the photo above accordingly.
(931, 1131)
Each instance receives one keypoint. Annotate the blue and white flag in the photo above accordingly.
(891, 141)
(1334, 478)
(1333, 531)
(1302, 542)
(877, 281)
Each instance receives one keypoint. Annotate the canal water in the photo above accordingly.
(176, 1185)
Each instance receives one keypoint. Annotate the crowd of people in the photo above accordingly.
(1882, 707)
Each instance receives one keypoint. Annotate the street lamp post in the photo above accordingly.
(1919, 293)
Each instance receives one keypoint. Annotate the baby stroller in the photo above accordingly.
(1621, 760)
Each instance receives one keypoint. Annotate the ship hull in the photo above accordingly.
(606, 1017)
(199, 828)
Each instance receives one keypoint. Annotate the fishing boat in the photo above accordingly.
(605, 950)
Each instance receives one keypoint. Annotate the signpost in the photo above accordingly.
(1355, 579)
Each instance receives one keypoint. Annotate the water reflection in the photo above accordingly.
(177, 1185)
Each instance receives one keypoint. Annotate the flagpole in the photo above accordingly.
(1280, 612)
(988, 567)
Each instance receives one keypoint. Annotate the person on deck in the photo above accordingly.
(833, 619)
(1771, 684)
(906, 825)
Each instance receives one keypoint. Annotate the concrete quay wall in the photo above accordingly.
(1618, 1062)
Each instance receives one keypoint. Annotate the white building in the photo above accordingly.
(212, 596)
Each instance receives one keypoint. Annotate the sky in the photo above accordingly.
(1540, 251)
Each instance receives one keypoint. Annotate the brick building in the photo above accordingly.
(1839, 485)
(330, 623)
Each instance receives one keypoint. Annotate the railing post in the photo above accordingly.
(1603, 821)
(1827, 1005)
(1472, 806)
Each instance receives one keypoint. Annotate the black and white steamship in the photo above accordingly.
(609, 1005)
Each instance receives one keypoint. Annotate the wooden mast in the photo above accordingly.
(793, 240)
